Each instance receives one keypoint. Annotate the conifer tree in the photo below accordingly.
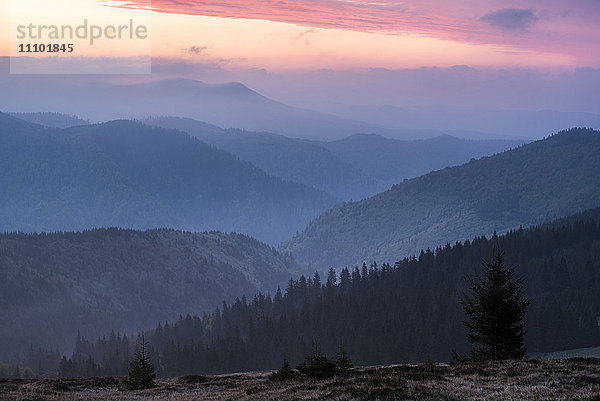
(285, 372)
(317, 366)
(343, 362)
(141, 371)
(496, 309)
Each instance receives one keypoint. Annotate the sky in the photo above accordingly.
(345, 34)
(385, 34)
(493, 52)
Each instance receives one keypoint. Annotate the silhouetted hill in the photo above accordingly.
(127, 174)
(534, 183)
(56, 284)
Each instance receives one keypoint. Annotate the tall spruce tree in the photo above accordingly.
(496, 309)
(141, 371)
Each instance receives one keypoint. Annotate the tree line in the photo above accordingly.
(406, 312)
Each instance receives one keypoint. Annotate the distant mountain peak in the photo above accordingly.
(174, 82)
(186, 84)
(362, 136)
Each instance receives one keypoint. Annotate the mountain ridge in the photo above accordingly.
(356, 167)
(127, 174)
(513, 188)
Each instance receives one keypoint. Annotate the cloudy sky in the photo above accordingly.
(491, 52)
(385, 34)
(299, 34)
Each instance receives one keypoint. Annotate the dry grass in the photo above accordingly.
(572, 379)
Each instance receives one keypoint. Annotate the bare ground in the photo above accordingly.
(570, 379)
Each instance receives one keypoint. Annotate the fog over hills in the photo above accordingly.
(230, 105)
(534, 183)
(471, 123)
(390, 161)
(352, 168)
(127, 174)
(235, 105)
(298, 160)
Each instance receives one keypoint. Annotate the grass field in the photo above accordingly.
(567, 379)
(572, 353)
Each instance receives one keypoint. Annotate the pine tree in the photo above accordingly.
(141, 371)
(343, 362)
(496, 310)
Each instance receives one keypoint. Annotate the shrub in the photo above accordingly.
(285, 372)
(318, 366)
(344, 363)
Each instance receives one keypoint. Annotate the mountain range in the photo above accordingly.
(351, 168)
(127, 174)
(234, 105)
(534, 183)
(230, 105)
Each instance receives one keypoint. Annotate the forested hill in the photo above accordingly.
(534, 183)
(126, 174)
(297, 160)
(352, 168)
(56, 284)
(390, 161)
(381, 315)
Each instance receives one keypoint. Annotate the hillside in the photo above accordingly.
(297, 160)
(383, 314)
(390, 161)
(546, 179)
(126, 174)
(54, 285)
(353, 168)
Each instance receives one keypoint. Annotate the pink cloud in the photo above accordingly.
(389, 17)
(552, 26)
